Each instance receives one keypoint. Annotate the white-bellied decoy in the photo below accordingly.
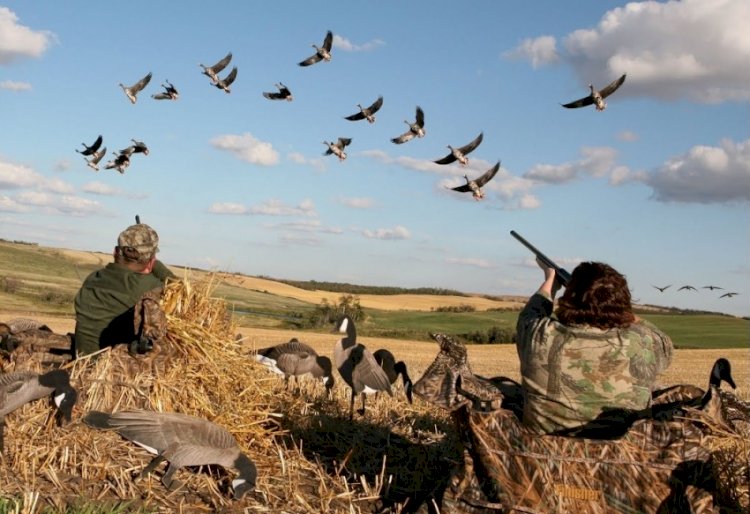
(367, 113)
(294, 359)
(459, 154)
(132, 91)
(475, 185)
(337, 148)
(322, 53)
(212, 71)
(597, 97)
(416, 129)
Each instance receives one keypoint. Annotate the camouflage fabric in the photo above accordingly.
(149, 320)
(572, 373)
(35, 348)
(140, 237)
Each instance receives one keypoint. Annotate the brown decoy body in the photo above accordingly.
(337, 148)
(367, 113)
(459, 154)
(89, 150)
(132, 91)
(322, 53)
(475, 185)
(416, 129)
(282, 94)
(357, 366)
(295, 358)
(212, 71)
(597, 97)
(181, 440)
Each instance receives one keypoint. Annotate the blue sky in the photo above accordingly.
(657, 185)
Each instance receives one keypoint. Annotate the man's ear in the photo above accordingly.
(150, 266)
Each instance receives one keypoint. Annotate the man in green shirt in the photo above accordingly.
(105, 304)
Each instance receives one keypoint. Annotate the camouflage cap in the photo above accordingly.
(140, 237)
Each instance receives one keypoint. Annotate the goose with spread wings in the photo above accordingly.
(224, 83)
(416, 129)
(282, 94)
(459, 154)
(337, 148)
(322, 53)
(89, 150)
(170, 92)
(597, 97)
(475, 185)
(212, 71)
(367, 113)
(132, 91)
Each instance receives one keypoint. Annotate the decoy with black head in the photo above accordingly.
(597, 97)
(357, 366)
(322, 53)
(459, 154)
(132, 91)
(294, 359)
(475, 185)
(170, 93)
(662, 289)
(89, 150)
(282, 94)
(367, 113)
(224, 83)
(21, 387)
(212, 71)
(416, 129)
(394, 369)
(181, 440)
(337, 148)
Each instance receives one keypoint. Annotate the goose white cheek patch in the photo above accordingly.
(238, 482)
(59, 398)
(344, 326)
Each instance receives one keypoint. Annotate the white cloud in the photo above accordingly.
(540, 51)
(10, 85)
(357, 203)
(344, 44)
(595, 161)
(627, 136)
(18, 41)
(275, 207)
(318, 163)
(469, 261)
(8, 204)
(298, 240)
(55, 185)
(705, 174)
(62, 165)
(227, 208)
(100, 188)
(306, 225)
(397, 232)
(247, 148)
(63, 204)
(694, 49)
(529, 201)
(15, 176)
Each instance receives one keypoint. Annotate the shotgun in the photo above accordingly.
(561, 275)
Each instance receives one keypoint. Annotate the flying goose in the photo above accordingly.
(93, 162)
(321, 53)
(712, 287)
(21, 387)
(662, 289)
(181, 440)
(136, 147)
(132, 91)
(687, 288)
(597, 97)
(728, 295)
(170, 93)
(227, 81)
(416, 129)
(337, 148)
(212, 71)
(461, 152)
(367, 113)
(357, 366)
(89, 150)
(283, 94)
(293, 359)
(393, 369)
(120, 162)
(475, 185)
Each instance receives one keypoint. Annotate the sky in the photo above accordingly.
(657, 185)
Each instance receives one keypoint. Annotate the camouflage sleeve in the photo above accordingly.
(161, 272)
(661, 344)
(536, 310)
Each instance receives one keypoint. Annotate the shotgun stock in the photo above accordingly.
(561, 275)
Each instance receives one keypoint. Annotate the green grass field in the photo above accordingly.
(44, 280)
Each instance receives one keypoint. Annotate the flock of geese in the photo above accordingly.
(691, 288)
(416, 129)
(95, 152)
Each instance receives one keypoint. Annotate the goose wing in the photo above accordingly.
(311, 60)
(355, 117)
(420, 117)
(376, 105)
(612, 87)
(328, 41)
(581, 102)
(135, 88)
(403, 138)
(93, 148)
(273, 96)
(369, 373)
(230, 78)
(98, 156)
(216, 68)
(471, 146)
(446, 160)
(465, 188)
(487, 175)
(343, 141)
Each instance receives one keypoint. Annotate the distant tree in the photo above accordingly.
(326, 312)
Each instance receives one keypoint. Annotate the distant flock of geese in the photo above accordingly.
(323, 54)
(691, 288)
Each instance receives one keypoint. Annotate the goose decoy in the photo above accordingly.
(687, 288)
(170, 93)
(728, 295)
(212, 71)
(224, 83)
(460, 153)
(367, 113)
(132, 91)
(475, 185)
(662, 289)
(181, 440)
(283, 94)
(89, 150)
(597, 97)
(394, 369)
(97, 156)
(337, 148)
(136, 147)
(16, 325)
(416, 129)
(293, 359)
(357, 366)
(321, 53)
(21, 387)
(120, 162)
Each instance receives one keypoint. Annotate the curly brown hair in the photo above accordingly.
(597, 295)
